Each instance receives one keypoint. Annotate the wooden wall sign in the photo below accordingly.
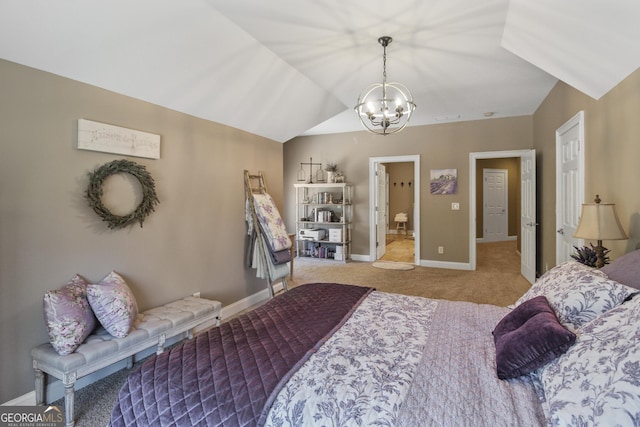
(97, 136)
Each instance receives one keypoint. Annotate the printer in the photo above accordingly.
(312, 234)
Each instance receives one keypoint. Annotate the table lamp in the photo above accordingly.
(599, 222)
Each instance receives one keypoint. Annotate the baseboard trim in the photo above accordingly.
(250, 301)
(509, 238)
(28, 399)
(423, 263)
(445, 264)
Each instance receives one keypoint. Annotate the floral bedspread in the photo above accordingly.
(362, 373)
(408, 361)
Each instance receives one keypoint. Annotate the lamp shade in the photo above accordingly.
(599, 222)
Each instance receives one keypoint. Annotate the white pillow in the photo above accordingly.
(597, 381)
(578, 293)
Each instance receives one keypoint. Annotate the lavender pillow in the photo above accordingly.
(113, 304)
(528, 338)
(625, 269)
(68, 316)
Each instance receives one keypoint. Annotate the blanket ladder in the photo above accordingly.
(255, 184)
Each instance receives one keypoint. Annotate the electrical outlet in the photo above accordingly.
(440, 249)
(455, 206)
(196, 294)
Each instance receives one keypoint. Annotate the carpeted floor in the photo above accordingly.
(497, 280)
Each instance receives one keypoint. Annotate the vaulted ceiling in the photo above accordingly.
(283, 68)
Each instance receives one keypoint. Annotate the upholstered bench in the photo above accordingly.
(151, 328)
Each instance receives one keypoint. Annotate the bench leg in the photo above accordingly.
(40, 377)
(69, 382)
(161, 339)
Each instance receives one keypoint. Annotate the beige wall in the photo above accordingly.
(612, 144)
(439, 146)
(194, 241)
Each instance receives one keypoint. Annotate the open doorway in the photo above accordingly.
(383, 225)
(498, 199)
(498, 214)
(399, 231)
(525, 198)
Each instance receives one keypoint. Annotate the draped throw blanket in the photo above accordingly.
(230, 375)
(271, 223)
(276, 247)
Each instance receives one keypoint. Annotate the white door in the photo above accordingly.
(569, 185)
(386, 206)
(381, 210)
(528, 223)
(495, 201)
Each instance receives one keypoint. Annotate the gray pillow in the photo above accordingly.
(625, 270)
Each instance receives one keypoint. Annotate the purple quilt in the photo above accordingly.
(230, 375)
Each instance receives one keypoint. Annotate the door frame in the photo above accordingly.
(473, 157)
(415, 159)
(575, 121)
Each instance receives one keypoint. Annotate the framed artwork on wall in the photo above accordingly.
(444, 181)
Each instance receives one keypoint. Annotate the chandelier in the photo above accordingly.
(385, 108)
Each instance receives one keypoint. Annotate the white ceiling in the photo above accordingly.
(283, 68)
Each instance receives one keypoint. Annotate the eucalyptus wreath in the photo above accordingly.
(94, 193)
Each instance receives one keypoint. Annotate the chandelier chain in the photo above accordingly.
(384, 64)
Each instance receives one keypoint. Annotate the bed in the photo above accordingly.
(566, 353)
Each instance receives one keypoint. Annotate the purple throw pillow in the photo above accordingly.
(625, 270)
(68, 316)
(528, 338)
